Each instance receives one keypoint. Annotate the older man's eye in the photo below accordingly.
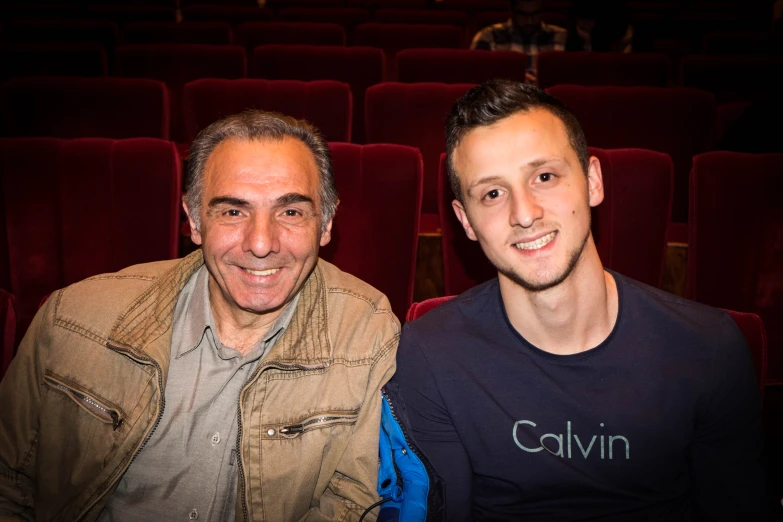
(232, 212)
(291, 212)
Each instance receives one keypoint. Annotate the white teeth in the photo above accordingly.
(538, 243)
(261, 272)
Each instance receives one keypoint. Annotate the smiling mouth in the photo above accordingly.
(538, 243)
(261, 272)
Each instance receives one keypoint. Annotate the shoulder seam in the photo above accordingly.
(375, 309)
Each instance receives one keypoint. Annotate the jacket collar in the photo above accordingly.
(144, 328)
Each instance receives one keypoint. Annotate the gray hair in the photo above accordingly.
(259, 125)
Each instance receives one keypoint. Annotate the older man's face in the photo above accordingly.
(260, 223)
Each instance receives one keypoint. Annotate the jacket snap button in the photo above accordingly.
(270, 432)
(193, 515)
(216, 438)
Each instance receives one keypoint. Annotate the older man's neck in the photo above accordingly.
(573, 317)
(239, 329)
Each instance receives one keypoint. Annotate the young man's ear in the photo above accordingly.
(595, 182)
(195, 232)
(459, 210)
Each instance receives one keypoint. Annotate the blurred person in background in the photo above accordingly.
(600, 26)
(523, 32)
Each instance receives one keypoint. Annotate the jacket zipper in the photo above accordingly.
(109, 415)
(427, 466)
(295, 429)
(121, 469)
(241, 467)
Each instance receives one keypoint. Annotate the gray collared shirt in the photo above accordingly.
(188, 468)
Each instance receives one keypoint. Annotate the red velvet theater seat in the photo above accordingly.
(415, 115)
(393, 38)
(178, 64)
(586, 68)
(84, 107)
(253, 34)
(78, 208)
(629, 226)
(232, 14)
(8, 324)
(734, 78)
(125, 14)
(99, 32)
(374, 236)
(359, 67)
(474, 6)
(421, 16)
(211, 33)
(19, 60)
(348, 17)
(326, 104)
(734, 198)
(459, 65)
(675, 121)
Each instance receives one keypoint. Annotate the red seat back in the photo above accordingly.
(212, 33)
(178, 64)
(232, 14)
(421, 16)
(8, 324)
(734, 78)
(375, 231)
(587, 68)
(84, 107)
(326, 104)
(459, 65)
(78, 208)
(124, 14)
(676, 121)
(253, 34)
(414, 115)
(359, 67)
(393, 38)
(347, 17)
(726, 205)
(629, 226)
(88, 60)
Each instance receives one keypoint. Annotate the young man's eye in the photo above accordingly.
(493, 194)
(546, 176)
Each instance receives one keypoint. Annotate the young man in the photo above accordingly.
(560, 390)
(239, 383)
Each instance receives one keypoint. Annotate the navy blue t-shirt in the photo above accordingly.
(661, 421)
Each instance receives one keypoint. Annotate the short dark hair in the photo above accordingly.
(495, 100)
(259, 125)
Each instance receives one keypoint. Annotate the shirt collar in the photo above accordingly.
(198, 317)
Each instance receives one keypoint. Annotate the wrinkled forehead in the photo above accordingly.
(282, 164)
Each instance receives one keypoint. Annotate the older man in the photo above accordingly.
(560, 390)
(241, 382)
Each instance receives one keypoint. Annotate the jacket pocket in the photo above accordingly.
(95, 407)
(318, 421)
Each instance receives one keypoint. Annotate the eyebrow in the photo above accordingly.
(532, 164)
(294, 197)
(228, 200)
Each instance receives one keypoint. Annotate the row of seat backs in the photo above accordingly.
(675, 121)
(72, 209)
(750, 325)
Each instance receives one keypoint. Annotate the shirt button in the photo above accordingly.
(270, 432)
(193, 514)
(216, 438)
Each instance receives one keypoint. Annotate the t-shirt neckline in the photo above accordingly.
(601, 347)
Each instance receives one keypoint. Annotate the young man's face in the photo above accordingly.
(260, 223)
(526, 199)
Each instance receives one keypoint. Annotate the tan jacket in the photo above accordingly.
(85, 392)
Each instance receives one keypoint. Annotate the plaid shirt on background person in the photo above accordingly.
(504, 37)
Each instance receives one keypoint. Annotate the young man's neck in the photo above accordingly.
(572, 317)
